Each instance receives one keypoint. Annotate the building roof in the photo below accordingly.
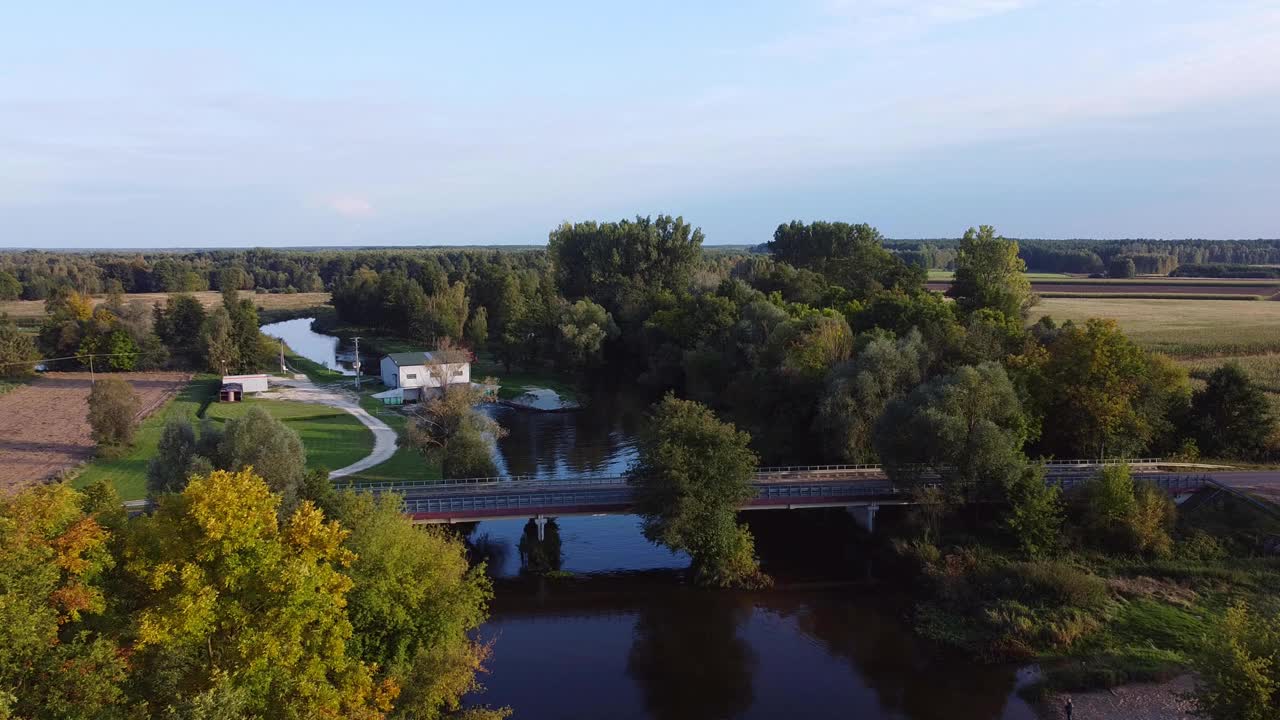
(413, 359)
(234, 387)
(409, 359)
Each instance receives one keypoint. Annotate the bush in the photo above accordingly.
(1053, 582)
(113, 412)
(1199, 546)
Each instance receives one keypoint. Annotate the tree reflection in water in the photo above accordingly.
(540, 556)
(688, 656)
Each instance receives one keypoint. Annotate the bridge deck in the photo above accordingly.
(554, 498)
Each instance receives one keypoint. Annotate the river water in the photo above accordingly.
(311, 345)
(626, 637)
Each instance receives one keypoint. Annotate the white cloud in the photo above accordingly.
(351, 206)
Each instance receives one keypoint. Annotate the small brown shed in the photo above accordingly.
(231, 392)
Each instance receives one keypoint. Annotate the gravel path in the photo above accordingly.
(300, 389)
(1148, 701)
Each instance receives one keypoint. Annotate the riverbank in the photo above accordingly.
(1145, 701)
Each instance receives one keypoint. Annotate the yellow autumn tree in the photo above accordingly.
(240, 613)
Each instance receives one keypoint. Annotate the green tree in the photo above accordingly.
(418, 633)
(1034, 511)
(1230, 416)
(1106, 396)
(1237, 670)
(52, 559)
(244, 333)
(478, 328)
(617, 264)
(221, 354)
(858, 391)
(1124, 515)
(10, 288)
(582, 331)
(967, 427)
(451, 430)
(169, 470)
(113, 411)
(18, 353)
(1121, 266)
(268, 446)
(989, 274)
(178, 323)
(242, 611)
(692, 473)
(850, 256)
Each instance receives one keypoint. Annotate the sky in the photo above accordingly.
(233, 124)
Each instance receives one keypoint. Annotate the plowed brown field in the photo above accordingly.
(44, 428)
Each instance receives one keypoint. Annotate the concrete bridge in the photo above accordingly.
(863, 489)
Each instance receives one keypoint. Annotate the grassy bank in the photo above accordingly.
(1094, 618)
(129, 473)
(1150, 296)
(332, 438)
(520, 380)
(1182, 328)
(407, 463)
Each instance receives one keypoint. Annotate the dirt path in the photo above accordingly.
(301, 389)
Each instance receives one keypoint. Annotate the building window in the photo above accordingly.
(411, 376)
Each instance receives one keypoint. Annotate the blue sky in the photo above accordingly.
(132, 124)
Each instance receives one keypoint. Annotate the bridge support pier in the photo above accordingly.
(541, 522)
(864, 516)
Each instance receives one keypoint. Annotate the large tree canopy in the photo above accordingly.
(990, 275)
(692, 473)
(850, 256)
(618, 263)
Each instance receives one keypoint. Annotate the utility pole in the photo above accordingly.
(357, 363)
(282, 369)
(92, 379)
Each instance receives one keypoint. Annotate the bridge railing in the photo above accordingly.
(763, 474)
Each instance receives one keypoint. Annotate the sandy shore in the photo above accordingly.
(1153, 701)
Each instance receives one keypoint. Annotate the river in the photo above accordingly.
(304, 341)
(626, 637)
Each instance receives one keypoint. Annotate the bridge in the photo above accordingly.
(863, 489)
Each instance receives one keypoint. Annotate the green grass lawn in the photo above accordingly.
(332, 438)
(407, 463)
(129, 473)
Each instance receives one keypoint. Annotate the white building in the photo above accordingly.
(248, 383)
(414, 372)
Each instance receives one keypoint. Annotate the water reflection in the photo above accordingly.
(689, 657)
(596, 440)
(541, 555)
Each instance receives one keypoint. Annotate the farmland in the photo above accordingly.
(1182, 328)
(32, 311)
(44, 430)
(1143, 288)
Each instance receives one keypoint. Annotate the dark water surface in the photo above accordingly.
(627, 637)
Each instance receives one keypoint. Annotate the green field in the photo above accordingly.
(1181, 328)
(333, 439)
(129, 473)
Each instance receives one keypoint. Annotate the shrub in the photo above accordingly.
(1199, 546)
(1053, 582)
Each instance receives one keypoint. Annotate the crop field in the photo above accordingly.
(1182, 328)
(33, 310)
(44, 429)
(1147, 288)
